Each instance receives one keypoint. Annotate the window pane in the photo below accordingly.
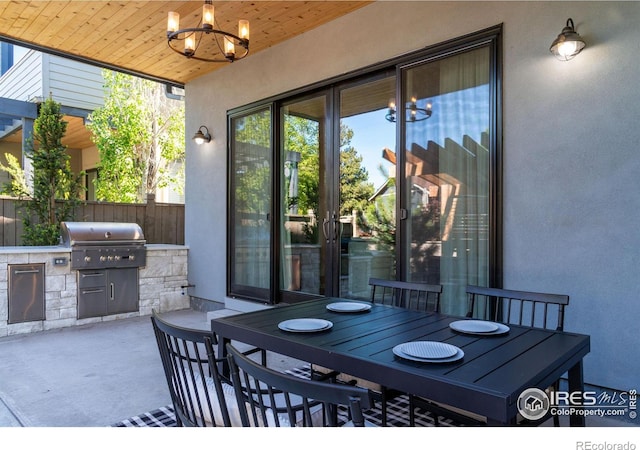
(250, 203)
(447, 110)
(303, 149)
(367, 186)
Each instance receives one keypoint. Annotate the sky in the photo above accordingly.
(372, 132)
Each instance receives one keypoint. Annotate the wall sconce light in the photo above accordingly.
(201, 137)
(568, 43)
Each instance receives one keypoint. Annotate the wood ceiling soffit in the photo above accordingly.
(131, 34)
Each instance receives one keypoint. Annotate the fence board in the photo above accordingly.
(162, 223)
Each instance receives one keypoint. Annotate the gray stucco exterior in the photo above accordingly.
(570, 150)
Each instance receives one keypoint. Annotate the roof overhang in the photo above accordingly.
(130, 36)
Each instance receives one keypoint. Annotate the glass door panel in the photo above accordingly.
(367, 186)
(302, 200)
(250, 187)
(447, 117)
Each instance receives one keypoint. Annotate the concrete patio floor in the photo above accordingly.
(99, 374)
(87, 376)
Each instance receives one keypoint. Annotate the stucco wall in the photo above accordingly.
(571, 162)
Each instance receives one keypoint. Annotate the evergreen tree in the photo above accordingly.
(55, 188)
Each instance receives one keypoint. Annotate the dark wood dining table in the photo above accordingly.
(487, 381)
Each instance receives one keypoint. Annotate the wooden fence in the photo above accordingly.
(162, 223)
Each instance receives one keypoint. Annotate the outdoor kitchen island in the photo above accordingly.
(52, 298)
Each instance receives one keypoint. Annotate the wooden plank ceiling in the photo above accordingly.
(132, 34)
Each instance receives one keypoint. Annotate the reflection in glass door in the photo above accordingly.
(303, 249)
(338, 192)
(446, 173)
(367, 186)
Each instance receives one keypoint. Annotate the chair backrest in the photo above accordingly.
(406, 294)
(535, 309)
(301, 402)
(190, 367)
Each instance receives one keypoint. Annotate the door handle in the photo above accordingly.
(325, 227)
(111, 290)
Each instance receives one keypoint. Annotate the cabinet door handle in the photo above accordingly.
(111, 289)
(27, 271)
(92, 291)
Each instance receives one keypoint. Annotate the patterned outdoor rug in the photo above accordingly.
(397, 413)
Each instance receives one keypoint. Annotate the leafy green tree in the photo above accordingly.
(139, 133)
(355, 188)
(55, 188)
(302, 137)
(253, 138)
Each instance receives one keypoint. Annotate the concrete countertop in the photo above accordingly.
(62, 249)
(35, 249)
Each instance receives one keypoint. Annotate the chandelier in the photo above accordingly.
(194, 37)
(414, 114)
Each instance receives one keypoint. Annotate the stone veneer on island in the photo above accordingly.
(161, 284)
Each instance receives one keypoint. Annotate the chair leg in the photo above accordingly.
(412, 412)
(383, 408)
(556, 417)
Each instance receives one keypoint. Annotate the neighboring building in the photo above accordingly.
(27, 78)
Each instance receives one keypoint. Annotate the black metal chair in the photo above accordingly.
(405, 294)
(199, 394)
(533, 309)
(319, 401)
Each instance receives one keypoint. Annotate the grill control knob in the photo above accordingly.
(103, 258)
(132, 257)
(110, 258)
(87, 258)
(117, 257)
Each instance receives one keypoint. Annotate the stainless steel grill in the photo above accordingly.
(107, 257)
(101, 245)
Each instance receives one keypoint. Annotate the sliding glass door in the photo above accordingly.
(249, 248)
(446, 136)
(367, 188)
(392, 173)
(305, 246)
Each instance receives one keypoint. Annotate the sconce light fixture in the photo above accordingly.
(224, 51)
(414, 114)
(201, 137)
(568, 43)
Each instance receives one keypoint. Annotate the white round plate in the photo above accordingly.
(474, 326)
(428, 349)
(479, 327)
(348, 307)
(305, 325)
(398, 352)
